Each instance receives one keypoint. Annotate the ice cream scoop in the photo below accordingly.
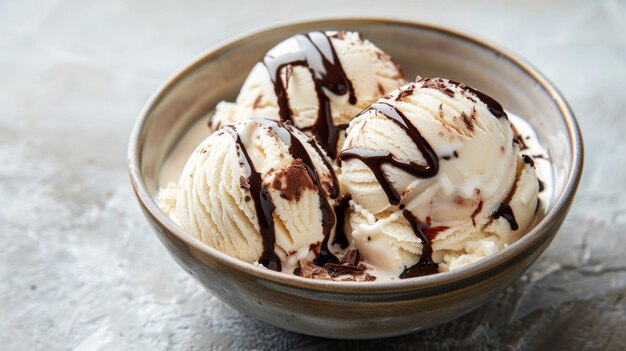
(436, 179)
(319, 81)
(258, 190)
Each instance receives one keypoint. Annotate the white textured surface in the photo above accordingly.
(80, 268)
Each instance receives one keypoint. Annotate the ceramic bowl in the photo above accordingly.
(350, 309)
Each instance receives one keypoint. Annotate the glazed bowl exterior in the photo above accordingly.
(350, 309)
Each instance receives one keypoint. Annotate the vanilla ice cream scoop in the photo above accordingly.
(436, 180)
(258, 190)
(319, 81)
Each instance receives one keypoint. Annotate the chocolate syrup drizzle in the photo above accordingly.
(440, 84)
(298, 151)
(425, 265)
(340, 236)
(494, 107)
(263, 202)
(505, 211)
(318, 55)
(375, 159)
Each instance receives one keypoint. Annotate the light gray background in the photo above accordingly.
(79, 267)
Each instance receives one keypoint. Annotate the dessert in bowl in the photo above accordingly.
(410, 139)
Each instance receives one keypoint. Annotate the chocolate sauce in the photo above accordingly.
(542, 186)
(375, 159)
(425, 265)
(476, 212)
(518, 138)
(298, 151)
(505, 211)
(262, 203)
(340, 236)
(334, 191)
(318, 55)
(494, 107)
(529, 160)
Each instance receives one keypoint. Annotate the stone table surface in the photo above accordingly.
(80, 268)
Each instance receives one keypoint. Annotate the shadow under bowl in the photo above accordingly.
(349, 310)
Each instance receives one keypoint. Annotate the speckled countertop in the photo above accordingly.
(80, 269)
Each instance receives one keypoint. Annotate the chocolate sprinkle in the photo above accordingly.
(340, 236)
(406, 92)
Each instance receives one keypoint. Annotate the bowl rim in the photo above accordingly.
(427, 284)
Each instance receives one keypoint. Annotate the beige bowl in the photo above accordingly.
(373, 309)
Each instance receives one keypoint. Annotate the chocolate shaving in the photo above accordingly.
(342, 268)
(352, 257)
(436, 84)
(406, 92)
(369, 278)
(312, 271)
(244, 183)
(476, 212)
(351, 268)
(467, 120)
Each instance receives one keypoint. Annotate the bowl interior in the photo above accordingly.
(420, 50)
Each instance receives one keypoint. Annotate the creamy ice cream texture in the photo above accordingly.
(430, 178)
(259, 191)
(319, 81)
(435, 178)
